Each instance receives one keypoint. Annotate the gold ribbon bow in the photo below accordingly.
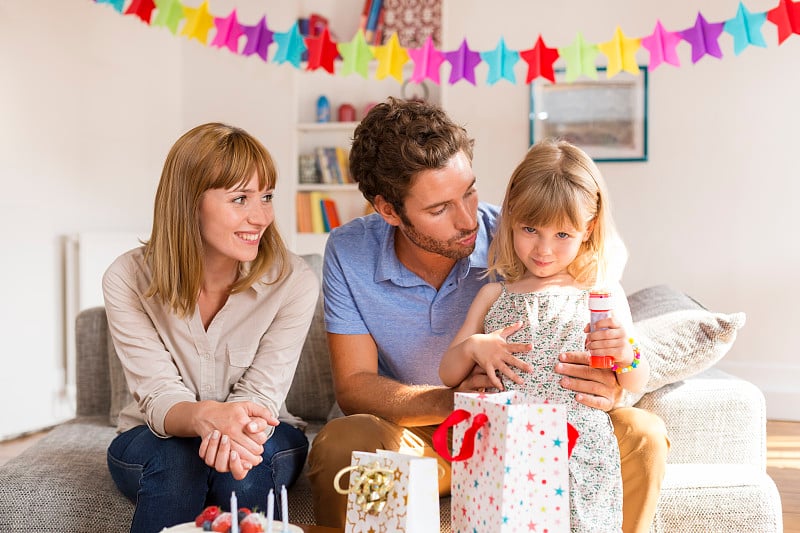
(370, 483)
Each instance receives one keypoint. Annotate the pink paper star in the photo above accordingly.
(463, 61)
(228, 32)
(662, 44)
(427, 62)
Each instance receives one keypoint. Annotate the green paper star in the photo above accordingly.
(169, 14)
(580, 57)
(356, 55)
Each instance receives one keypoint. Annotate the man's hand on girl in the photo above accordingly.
(595, 387)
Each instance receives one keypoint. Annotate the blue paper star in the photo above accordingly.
(559, 491)
(501, 63)
(290, 46)
(746, 29)
(116, 4)
(557, 443)
(463, 62)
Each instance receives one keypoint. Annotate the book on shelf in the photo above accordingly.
(307, 169)
(316, 212)
(333, 164)
(343, 157)
(324, 166)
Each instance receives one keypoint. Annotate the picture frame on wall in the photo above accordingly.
(606, 117)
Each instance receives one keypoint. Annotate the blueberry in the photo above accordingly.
(242, 514)
(207, 525)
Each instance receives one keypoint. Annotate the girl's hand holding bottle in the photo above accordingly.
(608, 338)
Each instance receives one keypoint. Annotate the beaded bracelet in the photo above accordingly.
(637, 356)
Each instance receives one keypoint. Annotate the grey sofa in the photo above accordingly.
(716, 479)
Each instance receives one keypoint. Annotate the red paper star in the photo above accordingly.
(786, 16)
(142, 9)
(322, 51)
(540, 61)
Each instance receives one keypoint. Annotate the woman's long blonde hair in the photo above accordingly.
(556, 183)
(210, 156)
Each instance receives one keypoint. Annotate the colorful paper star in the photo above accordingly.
(786, 16)
(322, 51)
(356, 55)
(427, 62)
(391, 58)
(142, 9)
(746, 29)
(228, 32)
(703, 37)
(116, 4)
(580, 57)
(501, 63)
(540, 61)
(621, 53)
(290, 46)
(662, 44)
(463, 61)
(259, 37)
(169, 14)
(198, 22)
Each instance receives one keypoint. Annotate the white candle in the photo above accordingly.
(270, 510)
(284, 509)
(234, 514)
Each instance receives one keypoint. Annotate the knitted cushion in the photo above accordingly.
(679, 336)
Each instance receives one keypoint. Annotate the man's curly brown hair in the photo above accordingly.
(398, 139)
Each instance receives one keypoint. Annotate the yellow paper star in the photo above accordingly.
(621, 53)
(198, 22)
(391, 58)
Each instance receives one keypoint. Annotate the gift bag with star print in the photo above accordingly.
(511, 473)
(391, 492)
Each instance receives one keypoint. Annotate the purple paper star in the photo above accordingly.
(463, 61)
(662, 44)
(259, 37)
(703, 37)
(228, 32)
(427, 62)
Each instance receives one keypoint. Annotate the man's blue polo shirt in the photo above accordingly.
(368, 290)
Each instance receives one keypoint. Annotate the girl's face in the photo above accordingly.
(232, 222)
(547, 251)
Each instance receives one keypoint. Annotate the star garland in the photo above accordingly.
(354, 56)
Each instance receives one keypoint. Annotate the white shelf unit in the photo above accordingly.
(356, 91)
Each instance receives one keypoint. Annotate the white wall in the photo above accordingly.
(91, 101)
(713, 210)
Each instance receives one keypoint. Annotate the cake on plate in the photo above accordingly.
(213, 519)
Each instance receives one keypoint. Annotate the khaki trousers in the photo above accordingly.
(643, 446)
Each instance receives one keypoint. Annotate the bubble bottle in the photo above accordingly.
(599, 308)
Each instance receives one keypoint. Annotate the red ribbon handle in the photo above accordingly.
(468, 445)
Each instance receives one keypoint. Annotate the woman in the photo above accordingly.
(208, 319)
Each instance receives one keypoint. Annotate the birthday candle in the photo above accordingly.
(284, 509)
(270, 510)
(234, 514)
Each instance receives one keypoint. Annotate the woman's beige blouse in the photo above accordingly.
(249, 352)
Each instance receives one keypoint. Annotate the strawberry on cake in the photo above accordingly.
(214, 519)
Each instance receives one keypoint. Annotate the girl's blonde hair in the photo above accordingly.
(556, 183)
(210, 156)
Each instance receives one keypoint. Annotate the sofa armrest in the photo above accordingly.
(712, 417)
(92, 374)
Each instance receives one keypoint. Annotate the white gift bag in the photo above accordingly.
(512, 472)
(391, 492)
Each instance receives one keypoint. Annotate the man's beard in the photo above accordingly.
(449, 248)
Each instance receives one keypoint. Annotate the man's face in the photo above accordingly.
(441, 210)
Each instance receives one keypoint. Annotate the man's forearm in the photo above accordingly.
(405, 405)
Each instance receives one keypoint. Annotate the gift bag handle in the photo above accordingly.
(468, 445)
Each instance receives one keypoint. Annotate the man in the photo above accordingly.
(397, 287)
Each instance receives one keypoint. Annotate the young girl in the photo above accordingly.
(554, 244)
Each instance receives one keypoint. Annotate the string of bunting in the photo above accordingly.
(354, 56)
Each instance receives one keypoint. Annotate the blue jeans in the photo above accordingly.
(170, 483)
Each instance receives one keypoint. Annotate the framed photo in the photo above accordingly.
(605, 117)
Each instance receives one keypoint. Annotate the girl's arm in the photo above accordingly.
(472, 346)
(614, 341)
